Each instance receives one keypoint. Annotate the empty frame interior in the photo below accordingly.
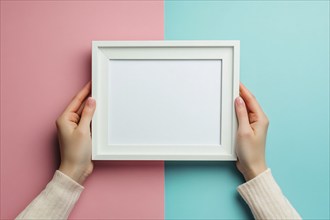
(164, 102)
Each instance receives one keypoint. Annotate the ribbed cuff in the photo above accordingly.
(65, 180)
(266, 199)
(67, 192)
(56, 201)
(262, 182)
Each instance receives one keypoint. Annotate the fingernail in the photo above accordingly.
(90, 102)
(239, 101)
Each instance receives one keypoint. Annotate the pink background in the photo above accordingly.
(45, 60)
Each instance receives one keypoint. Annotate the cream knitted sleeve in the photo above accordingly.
(56, 201)
(266, 199)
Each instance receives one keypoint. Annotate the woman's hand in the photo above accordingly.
(251, 135)
(74, 135)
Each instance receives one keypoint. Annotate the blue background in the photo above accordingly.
(285, 63)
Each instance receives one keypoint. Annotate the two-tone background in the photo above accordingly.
(46, 59)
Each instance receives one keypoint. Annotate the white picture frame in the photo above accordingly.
(115, 87)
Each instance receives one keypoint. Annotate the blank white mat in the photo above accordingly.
(164, 102)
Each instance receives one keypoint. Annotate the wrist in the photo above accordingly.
(255, 171)
(75, 173)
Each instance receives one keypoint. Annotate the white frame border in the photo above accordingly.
(227, 51)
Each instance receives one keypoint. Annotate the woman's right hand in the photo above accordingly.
(251, 135)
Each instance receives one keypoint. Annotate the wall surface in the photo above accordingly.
(46, 59)
(285, 62)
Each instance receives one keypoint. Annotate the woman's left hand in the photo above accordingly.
(74, 134)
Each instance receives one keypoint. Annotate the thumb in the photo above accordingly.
(242, 115)
(87, 113)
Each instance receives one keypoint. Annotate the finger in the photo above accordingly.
(79, 98)
(87, 113)
(242, 115)
(249, 99)
(74, 117)
(79, 111)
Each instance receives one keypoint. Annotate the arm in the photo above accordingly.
(56, 201)
(260, 191)
(61, 194)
